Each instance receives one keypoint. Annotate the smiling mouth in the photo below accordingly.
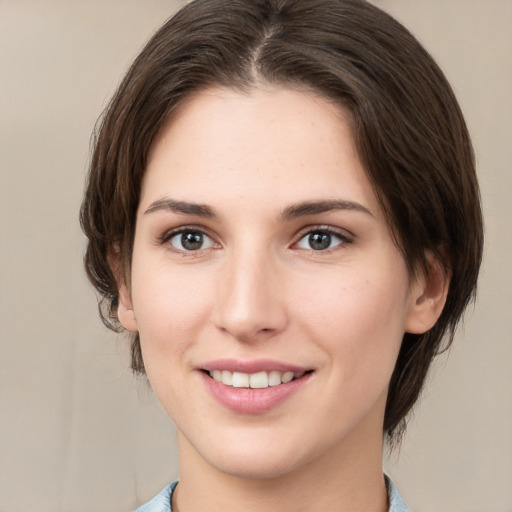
(259, 380)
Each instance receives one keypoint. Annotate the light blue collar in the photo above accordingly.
(162, 501)
(396, 503)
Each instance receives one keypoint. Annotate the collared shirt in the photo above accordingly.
(162, 501)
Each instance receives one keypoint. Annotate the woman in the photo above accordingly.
(282, 209)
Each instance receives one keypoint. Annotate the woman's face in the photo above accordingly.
(261, 255)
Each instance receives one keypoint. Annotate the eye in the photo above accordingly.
(190, 240)
(321, 240)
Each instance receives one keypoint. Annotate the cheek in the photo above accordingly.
(359, 318)
(170, 308)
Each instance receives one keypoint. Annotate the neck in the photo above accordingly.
(347, 478)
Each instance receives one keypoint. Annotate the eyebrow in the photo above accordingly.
(291, 212)
(184, 207)
(316, 207)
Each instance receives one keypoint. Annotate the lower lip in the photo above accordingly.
(253, 401)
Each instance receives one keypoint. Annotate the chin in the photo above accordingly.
(257, 468)
(258, 459)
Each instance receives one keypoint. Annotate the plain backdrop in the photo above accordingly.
(78, 433)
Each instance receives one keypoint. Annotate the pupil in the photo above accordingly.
(320, 241)
(192, 241)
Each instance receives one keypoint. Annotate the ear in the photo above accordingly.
(125, 312)
(428, 296)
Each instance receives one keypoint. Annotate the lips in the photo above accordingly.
(253, 387)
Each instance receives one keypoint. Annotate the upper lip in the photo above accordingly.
(252, 366)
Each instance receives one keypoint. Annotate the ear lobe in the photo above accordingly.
(428, 296)
(125, 312)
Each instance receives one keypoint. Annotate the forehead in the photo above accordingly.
(272, 142)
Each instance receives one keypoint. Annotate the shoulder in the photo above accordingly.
(161, 502)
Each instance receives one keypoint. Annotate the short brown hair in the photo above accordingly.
(408, 127)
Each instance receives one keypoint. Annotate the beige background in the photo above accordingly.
(78, 432)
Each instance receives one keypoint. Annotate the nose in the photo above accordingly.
(251, 297)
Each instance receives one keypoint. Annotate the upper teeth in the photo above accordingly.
(253, 380)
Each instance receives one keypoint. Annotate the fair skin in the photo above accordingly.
(260, 246)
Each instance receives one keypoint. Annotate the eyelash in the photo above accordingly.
(324, 230)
